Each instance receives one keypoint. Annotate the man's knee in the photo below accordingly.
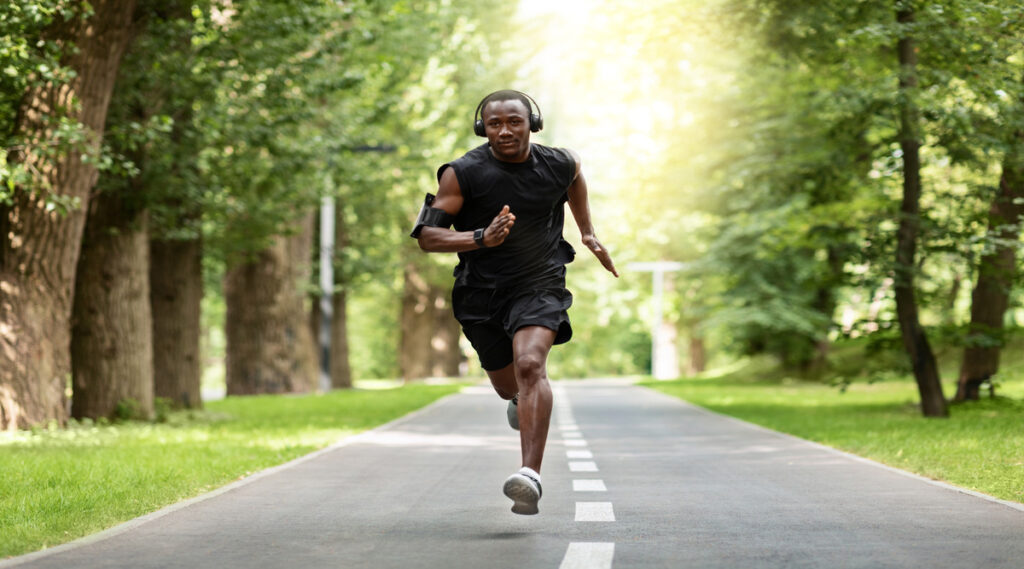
(530, 367)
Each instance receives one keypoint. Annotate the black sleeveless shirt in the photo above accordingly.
(534, 253)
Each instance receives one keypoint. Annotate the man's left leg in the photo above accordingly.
(530, 347)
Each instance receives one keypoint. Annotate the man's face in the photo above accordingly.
(507, 124)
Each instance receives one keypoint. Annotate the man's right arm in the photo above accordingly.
(443, 240)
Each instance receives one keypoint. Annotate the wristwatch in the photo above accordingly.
(478, 237)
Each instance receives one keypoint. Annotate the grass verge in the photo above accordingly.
(61, 484)
(980, 446)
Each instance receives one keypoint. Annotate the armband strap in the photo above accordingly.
(431, 217)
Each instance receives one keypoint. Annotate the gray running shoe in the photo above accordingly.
(525, 491)
(513, 412)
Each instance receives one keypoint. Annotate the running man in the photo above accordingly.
(505, 199)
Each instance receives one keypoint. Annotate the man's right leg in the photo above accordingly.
(504, 381)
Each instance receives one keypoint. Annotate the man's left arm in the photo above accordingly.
(580, 206)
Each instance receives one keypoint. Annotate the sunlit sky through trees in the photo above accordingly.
(621, 83)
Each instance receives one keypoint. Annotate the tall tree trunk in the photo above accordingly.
(111, 335)
(915, 342)
(698, 353)
(269, 345)
(176, 293)
(175, 247)
(447, 355)
(430, 333)
(417, 321)
(40, 248)
(997, 271)
(341, 367)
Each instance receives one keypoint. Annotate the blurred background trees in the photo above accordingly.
(829, 174)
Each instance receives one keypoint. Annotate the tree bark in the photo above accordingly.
(915, 341)
(447, 332)
(997, 271)
(39, 252)
(430, 334)
(176, 293)
(341, 367)
(417, 326)
(269, 345)
(167, 170)
(111, 339)
(698, 353)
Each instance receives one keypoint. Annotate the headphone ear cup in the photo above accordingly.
(536, 123)
(478, 128)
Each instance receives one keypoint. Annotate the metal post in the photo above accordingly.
(326, 287)
(657, 270)
(327, 258)
(658, 274)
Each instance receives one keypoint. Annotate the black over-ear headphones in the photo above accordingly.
(536, 120)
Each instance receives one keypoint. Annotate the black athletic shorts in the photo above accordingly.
(490, 317)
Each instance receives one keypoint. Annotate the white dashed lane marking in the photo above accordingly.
(594, 512)
(588, 486)
(583, 466)
(584, 555)
(588, 556)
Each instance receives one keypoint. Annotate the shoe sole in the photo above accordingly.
(513, 415)
(519, 489)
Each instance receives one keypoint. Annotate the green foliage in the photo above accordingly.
(430, 66)
(758, 146)
(162, 409)
(30, 58)
(373, 319)
(128, 409)
(60, 484)
(151, 140)
(804, 177)
(608, 338)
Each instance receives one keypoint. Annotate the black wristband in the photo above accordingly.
(478, 237)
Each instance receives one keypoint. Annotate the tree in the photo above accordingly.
(258, 161)
(112, 343)
(430, 335)
(997, 272)
(915, 341)
(439, 60)
(39, 253)
(270, 346)
(175, 195)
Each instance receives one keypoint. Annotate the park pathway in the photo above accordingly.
(632, 479)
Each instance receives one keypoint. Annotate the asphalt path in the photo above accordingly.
(632, 479)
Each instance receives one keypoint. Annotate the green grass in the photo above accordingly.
(980, 446)
(61, 484)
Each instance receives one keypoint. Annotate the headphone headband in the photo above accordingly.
(536, 120)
